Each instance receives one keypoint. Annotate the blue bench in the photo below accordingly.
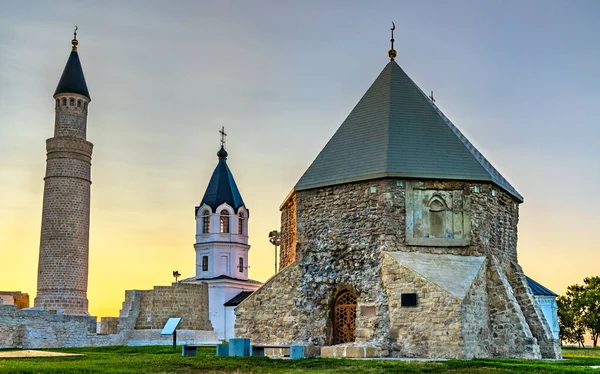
(192, 349)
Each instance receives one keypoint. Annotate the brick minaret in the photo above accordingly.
(64, 243)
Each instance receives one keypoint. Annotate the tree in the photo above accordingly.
(572, 329)
(579, 312)
(591, 307)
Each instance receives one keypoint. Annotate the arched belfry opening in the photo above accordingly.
(344, 317)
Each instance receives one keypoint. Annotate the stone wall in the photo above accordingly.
(341, 235)
(279, 318)
(431, 329)
(178, 300)
(30, 328)
(38, 328)
(475, 315)
(287, 251)
(109, 325)
(153, 337)
(18, 298)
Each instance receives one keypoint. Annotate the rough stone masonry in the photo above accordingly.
(346, 234)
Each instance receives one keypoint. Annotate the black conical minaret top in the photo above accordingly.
(72, 79)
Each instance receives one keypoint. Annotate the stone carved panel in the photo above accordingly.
(437, 217)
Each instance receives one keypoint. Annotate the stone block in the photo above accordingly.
(354, 352)
(328, 352)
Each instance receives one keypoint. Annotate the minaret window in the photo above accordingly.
(72, 102)
(224, 221)
(241, 223)
(84, 105)
(78, 103)
(64, 101)
(205, 221)
(57, 102)
(241, 266)
(204, 263)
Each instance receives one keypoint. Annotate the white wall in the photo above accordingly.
(219, 292)
(550, 310)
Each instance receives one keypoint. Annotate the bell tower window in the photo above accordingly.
(224, 221)
(241, 265)
(205, 222)
(241, 223)
(204, 263)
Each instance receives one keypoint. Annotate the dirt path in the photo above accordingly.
(29, 353)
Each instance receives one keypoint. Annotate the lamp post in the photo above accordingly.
(275, 239)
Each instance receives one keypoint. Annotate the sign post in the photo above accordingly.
(171, 329)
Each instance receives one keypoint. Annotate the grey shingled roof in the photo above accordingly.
(396, 131)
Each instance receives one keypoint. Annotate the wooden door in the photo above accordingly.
(344, 318)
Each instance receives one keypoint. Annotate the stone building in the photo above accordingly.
(400, 240)
(222, 247)
(64, 243)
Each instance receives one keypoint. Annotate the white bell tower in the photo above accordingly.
(222, 246)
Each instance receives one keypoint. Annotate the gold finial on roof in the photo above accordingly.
(74, 42)
(392, 52)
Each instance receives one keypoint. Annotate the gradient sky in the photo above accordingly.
(519, 78)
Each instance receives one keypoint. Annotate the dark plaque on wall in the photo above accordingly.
(408, 299)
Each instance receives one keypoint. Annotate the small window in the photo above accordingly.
(72, 102)
(224, 221)
(64, 101)
(408, 299)
(241, 265)
(78, 103)
(225, 263)
(57, 102)
(205, 222)
(240, 223)
(85, 105)
(204, 263)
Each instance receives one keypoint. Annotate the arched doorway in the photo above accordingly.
(344, 317)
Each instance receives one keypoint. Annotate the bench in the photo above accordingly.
(296, 351)
(192, 349)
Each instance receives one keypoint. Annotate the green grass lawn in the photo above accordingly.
(163, 359)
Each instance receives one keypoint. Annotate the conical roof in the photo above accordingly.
(72, 79)
(395, 130)
(221, 187)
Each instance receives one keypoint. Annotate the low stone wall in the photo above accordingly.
(30, 328)
(153, 337)
(39, 328)
(18, 298)
(109, 325)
